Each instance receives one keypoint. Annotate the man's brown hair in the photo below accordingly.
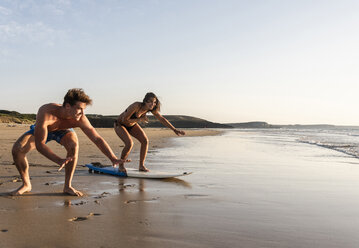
(76, 95)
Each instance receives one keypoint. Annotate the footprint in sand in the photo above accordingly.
(125, 186)
(68, 203)
(16, 180)
(78, 218)
(52, 183)
(83, 218)
(102, 195)
(148, 200)
(195, 196)
(79, 203)
(145, 222)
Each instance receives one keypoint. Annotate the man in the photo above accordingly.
(55, 122)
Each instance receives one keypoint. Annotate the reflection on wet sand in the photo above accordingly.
(123, 186)
(141, 183)
(131, 208)
(178, 182)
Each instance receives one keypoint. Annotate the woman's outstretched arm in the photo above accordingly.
(168, 124)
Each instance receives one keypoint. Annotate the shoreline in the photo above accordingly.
(47, 217)
(255, 189)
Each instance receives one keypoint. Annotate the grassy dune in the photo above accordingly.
(179, 121)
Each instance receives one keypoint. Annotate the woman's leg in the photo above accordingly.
(139, 134)
(127, 140)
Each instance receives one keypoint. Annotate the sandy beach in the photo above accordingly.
(266, 92)
(109, 215)
(248, 189)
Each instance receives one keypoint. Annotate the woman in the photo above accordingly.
(126, 126)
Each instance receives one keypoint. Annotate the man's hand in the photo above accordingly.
(117, 162)
(120, 164)
(63, 162)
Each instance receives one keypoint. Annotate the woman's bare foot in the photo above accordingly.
(121, 168)
(23, 189)
(143, 168)
(72, 191)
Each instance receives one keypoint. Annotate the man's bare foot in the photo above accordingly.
(121, 168)
(72, 191)
(143, 168)
(23, 189)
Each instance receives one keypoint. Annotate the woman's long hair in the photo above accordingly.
(150, 95)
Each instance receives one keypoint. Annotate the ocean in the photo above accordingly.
(224, 148)
(344, 139)
(269, 187)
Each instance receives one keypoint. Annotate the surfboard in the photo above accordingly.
(131, 172)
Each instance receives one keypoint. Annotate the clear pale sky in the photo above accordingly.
(284, 62)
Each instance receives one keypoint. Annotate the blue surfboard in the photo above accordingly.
(134, 172)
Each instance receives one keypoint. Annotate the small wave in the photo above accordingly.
(349, 149)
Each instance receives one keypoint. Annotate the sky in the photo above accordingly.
(279, 61)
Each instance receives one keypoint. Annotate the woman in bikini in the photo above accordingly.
(127, 125)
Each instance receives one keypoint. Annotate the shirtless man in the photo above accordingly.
(55, 122)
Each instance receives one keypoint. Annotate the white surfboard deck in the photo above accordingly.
(135, 172)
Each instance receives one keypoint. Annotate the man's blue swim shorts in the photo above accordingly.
(55, 135)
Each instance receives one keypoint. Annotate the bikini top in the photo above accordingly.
(134, 115)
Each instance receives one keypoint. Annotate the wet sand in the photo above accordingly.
(114, 211)
(251, 190)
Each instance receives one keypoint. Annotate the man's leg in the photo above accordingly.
(20, 148)
(71, 144)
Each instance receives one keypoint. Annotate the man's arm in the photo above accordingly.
(41, 137)
(93, 135)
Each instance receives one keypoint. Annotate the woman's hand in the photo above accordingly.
(144, 119)
(179, 132)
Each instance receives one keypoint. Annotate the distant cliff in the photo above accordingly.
(102, 120)
(182, 121)
(315, 126)
(261, 124)
(179, 121)
(253, 124)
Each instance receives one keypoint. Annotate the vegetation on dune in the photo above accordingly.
(16, 117)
